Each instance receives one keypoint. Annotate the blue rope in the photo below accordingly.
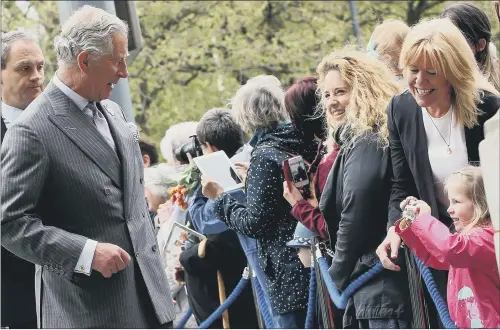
(340, 300)
(229, 301)
(264, 308)
(311, 305)
(441, 306)
(185, 318)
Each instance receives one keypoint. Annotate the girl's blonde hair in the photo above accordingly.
(470, 180)
(371, 87)
(387, 39)
(441, 42)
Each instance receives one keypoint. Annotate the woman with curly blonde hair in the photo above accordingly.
(436, 125)
(355, 89)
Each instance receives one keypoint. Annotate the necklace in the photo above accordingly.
(442, 137)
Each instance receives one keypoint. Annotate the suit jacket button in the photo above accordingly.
(107, 191)
(154, 247)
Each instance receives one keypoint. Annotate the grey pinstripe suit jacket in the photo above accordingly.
(61, 184)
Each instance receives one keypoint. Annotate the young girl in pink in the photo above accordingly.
(468, 254)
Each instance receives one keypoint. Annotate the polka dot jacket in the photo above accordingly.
(267, 216)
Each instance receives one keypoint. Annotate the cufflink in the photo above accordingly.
(82, 268)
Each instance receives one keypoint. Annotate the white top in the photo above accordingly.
(10, 114)
(443, 164)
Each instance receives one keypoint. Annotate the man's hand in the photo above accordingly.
(389, 245)
(109, 259)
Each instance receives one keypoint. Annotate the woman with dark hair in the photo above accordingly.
(300, 103)
(476, 28)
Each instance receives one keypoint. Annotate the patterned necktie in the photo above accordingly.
(100, 123)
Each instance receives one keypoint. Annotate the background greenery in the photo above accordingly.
(197, 53)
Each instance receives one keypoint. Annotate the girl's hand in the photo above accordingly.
(291, 193)
(422, 208)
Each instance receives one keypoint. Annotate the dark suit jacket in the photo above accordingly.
(63, 184)
(412, 174)
(18, 285)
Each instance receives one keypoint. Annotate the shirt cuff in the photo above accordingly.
(84, 264)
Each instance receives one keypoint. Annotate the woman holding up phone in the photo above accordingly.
(356, 194)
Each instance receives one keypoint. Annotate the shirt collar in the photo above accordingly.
(10, 113)
(79, 100)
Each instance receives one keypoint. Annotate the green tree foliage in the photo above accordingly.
(197, 53)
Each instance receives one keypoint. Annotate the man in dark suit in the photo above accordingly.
(22, 82)
(72, 191)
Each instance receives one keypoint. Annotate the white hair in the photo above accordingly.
(259, 104)
(88, 29)
(157, 179)
(175, 136)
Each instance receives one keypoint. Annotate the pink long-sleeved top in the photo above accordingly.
(473, 279)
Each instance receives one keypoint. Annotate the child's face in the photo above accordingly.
(461, 209)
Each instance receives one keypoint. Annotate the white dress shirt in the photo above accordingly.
(84, 264)
(10, 114)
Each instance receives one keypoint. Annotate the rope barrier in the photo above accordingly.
(340, 300)
(441, 306)
(184, 320)
(229, 301)
(311, 305)
(264, 308)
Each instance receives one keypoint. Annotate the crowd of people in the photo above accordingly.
(392, 137)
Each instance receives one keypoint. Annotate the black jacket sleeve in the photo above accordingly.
(403, 184)
(365, 170)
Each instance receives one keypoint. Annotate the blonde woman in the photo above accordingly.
(386, 42)
(436, 125)
(355, 90)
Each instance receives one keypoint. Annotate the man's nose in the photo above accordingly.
(123, 73)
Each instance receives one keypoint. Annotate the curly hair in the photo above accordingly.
(442, 44)
(371, 87)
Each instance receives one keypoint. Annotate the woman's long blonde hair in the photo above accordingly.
(441, 42)
(470, 181)
(371, 86)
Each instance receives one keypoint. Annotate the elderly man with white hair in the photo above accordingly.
(259, 108)
(73, 191)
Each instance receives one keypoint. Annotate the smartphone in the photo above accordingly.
(295, 173)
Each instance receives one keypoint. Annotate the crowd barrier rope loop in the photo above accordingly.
(341, 299)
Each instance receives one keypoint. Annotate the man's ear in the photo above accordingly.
(83, 60)
(481, 45)
(146, 160)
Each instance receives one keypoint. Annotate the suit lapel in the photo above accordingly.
(125, 144)
(79, 129)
